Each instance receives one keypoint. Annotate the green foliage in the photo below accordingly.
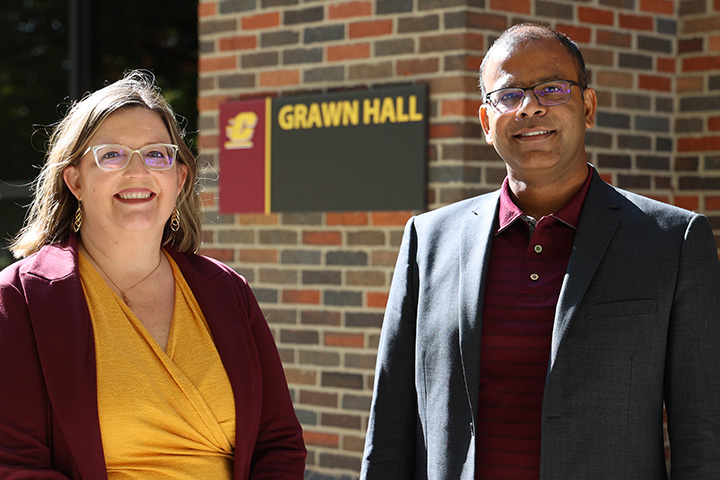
(158, 35)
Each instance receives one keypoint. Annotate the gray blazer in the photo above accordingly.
(637, 323)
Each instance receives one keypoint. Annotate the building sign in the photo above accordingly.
(327, 152)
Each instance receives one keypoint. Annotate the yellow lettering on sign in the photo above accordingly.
(402, 117)
(387, 114)
(314, 119)
(331, 113)
(301, 111)
(240, 130)
(347, 112)
(285, 117)
(412, 107)
(371, 110)
(351, 112)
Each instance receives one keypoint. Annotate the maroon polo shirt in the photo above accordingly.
(526, 270)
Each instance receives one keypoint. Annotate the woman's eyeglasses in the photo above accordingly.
(158, 156)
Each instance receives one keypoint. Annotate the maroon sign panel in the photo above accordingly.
(244, 156)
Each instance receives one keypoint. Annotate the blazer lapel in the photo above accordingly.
(598, 222)
(66, 347)
(476, 238)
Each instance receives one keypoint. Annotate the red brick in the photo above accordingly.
(322, 238)
(238, 42)
(702, 24)
(658, 6)
(320, 439)
(688, 202)
(654, 82)
(301, 296)
(666, 65)
(347, 218)
(336, 53)
(301, 376)
(636, 22)
(517, 6)
(452, 41)
(354, 444)
(596, 15)
(417, 66)
(222, 254)
(261, 20)
(325, 399)
(257, 219)
(704, 63)
(207, 9)
(689, 84)
(578, 34)
(446, 130)
(366, 278)
(214, 64)
(385, 258)
(711, 203)
(279, 78)
(617, 39)
(699, 144)
(356, 340)
(714, 43)
(376, 299)
(259, 255)
(207, 141)
(349, 10)
(398, 218)
(208, 201)
(373, 28)
(212, 102)
(468, 108)
(713, 124)
(614, 79)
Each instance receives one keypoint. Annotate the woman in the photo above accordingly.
(125, 354)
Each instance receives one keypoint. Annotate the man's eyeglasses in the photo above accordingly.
(548, 94)
(158, 156)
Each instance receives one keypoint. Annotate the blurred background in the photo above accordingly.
(54, 51)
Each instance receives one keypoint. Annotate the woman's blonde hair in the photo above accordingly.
(52, 211)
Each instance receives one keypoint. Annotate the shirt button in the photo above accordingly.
(534, 277)
(538, 248)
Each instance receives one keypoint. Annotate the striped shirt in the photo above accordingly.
(527, 266)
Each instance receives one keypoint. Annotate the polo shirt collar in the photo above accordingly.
(569, 214)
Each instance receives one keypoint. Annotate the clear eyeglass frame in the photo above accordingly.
(101, 151)
(548, 94)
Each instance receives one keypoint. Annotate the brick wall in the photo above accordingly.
(697, 120)
(321, 277)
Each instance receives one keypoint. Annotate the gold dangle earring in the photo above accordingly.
(175, 220)
(78, 218)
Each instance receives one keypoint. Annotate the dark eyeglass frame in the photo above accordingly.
(537, 95)
(95, 148)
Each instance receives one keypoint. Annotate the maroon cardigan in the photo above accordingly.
(49, 425)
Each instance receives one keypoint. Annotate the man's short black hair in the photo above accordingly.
(524, 32)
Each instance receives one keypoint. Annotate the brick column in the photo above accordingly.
(322, 277)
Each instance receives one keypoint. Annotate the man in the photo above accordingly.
(536, 332)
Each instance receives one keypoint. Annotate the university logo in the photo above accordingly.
(240, 130)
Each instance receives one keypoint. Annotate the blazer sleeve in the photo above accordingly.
(25, 451)
(279, 452)
(390, 444)
(692, 378)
